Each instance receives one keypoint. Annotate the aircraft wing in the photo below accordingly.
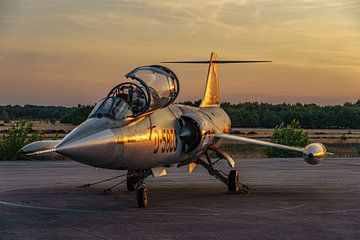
(312, 153)
(41, 150)
(258, 142)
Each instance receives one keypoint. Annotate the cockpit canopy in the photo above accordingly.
(161, 84)
(152, 87)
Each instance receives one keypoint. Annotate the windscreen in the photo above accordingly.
(113, 107)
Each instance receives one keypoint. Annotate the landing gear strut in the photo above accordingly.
(232, 180)
(131, 181)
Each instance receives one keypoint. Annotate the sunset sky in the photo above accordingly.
(65, 52)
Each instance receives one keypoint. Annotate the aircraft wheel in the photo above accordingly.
(234, 181)
(130, 181)
(141, 197)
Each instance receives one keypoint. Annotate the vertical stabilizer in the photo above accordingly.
(212, 94)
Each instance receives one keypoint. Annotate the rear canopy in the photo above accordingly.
(161, 84)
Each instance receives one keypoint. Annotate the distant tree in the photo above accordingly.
(4, 115)
(292, 135)
(77, 115)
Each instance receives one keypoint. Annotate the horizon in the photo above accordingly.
(184, 101)
(64, 53)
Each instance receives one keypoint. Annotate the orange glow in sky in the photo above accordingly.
(68, 52)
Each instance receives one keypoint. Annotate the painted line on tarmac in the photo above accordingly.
(44, 208)
(340, 211)
(234, 212)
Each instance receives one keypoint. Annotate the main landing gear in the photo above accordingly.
(135, 179)
(231, 180)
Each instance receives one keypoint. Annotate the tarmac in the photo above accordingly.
(290, 200)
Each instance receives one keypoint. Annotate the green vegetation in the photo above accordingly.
(77, 115)
(291, 135)
(310, 116)
(252, 115)
(72, 115)
(32, 112)
(15, 138)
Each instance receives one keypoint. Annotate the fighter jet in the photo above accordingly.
(138, 128)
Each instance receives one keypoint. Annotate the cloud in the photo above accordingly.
(89, 40)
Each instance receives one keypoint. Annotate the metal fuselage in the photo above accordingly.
(145, 142)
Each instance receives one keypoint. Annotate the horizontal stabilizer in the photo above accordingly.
(218, 61)
(212, 91)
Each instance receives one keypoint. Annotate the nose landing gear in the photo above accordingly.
(142, 197)
(135, 182)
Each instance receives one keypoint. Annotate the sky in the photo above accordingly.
(69, 52)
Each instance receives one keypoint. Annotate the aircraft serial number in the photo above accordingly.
(165, 140)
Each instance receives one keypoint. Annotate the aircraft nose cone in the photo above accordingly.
(90, 147)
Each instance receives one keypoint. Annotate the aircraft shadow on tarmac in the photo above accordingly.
(200, 196)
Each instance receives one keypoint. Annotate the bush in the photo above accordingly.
(291, 135)
(15, 138)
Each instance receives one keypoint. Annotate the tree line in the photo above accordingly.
(311, 116)
(71, 115)
(248, 114)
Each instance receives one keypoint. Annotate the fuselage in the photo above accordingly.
(144, 142)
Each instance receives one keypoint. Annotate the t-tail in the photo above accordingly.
(212, 91)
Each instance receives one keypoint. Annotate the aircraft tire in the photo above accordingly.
(234, 181)
(142, 197)
(130, 181)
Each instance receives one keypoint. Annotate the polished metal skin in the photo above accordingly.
(147, 142)
(138, 128)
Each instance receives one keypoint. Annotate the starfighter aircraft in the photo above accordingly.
(138, 128)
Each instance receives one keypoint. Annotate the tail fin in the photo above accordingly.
(212, 92)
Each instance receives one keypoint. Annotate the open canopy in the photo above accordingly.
(152, 87)
(161, 84)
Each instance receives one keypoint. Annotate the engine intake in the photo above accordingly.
(190, 134)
